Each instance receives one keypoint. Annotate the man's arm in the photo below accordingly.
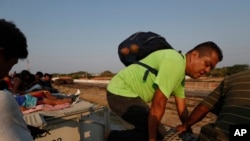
(181, 109)
(156, 112)
(196, 115)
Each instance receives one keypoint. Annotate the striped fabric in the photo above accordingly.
(230, 101)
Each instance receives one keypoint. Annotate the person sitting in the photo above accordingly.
(34, 98)
(25, 82)
(230, 101)
(47, 83)
(39, 77)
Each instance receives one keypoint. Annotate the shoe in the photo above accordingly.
(78, 92)
(75, 99)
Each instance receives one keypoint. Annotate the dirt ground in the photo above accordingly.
(97, 95)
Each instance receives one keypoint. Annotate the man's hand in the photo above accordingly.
(181, 128)
(184, 128)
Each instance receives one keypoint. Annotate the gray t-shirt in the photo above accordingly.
(13, 126)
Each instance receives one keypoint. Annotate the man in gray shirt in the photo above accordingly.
(13, 46)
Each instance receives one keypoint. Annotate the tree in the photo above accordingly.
(219, 72)
(237, 68)
(106, 74)
(226, 71)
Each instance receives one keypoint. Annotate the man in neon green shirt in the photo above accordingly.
(128, 94)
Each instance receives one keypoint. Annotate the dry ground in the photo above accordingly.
(97, 94)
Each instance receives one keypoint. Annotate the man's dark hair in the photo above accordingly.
(49, 75)
(27, 77)
(39, 73)
(207, 48)
(46, 74)
(12, 40)
(25, 74)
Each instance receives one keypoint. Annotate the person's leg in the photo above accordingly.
(135, 112)
(57, 101)
(48, 95)
(42, 93)
(60, 96)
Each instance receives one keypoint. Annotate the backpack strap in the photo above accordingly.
(149, 69)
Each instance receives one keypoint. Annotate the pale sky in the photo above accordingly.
(66, 36)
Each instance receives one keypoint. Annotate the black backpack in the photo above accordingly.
(139, 45)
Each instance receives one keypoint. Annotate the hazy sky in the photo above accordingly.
(67, 36)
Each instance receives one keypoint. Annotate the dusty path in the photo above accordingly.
(97, 94)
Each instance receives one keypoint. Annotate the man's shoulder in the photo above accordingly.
(11, 120)
(167, 53)
(6, 98)
(4, 94)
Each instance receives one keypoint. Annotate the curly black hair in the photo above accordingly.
(12, 40)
